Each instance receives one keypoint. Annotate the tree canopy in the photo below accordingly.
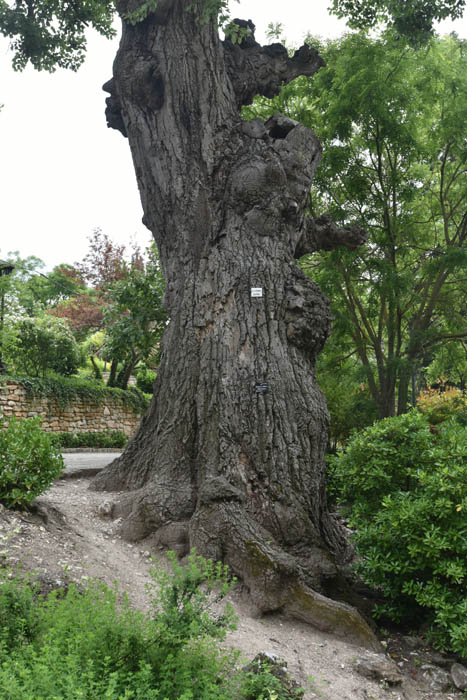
(413, 19)
(51, 34)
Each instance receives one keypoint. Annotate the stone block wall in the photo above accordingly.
(79, 416)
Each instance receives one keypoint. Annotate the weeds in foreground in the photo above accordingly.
(84, 644)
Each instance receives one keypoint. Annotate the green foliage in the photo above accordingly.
(111, 438)
(450, 362)
(181, 600)
(31, 291)
(439, 404)
(29, 461)
(18, 618)
(145, 379)
(135, 317)
(51, 33)
(64, 390)
(392, 125)
(142, 11)
(90, 349)
(412, 19)
(90, 644)
(349, 401)
(407, 488)
(41, 345)
(381, 459)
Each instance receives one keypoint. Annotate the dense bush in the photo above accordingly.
(29, 461)
(89, 644)
(406, 484)
(111, 438)
(145, 379)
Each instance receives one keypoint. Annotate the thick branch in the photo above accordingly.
(263, 70)
(324, 234)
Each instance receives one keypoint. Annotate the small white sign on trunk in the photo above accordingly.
(256, 291)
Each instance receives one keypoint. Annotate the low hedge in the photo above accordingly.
(110, 438)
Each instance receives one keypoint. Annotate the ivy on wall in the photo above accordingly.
(65, 390)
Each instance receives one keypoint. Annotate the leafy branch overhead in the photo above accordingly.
(51, 33)
(413, 19)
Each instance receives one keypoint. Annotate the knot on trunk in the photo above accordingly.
(307, 315)
(257, 70)
(113, 111)
(271, 181)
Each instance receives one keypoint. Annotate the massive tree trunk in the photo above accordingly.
(230, 456)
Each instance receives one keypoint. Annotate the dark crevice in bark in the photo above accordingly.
(230, 456)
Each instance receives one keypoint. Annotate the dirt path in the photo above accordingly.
(71, 539)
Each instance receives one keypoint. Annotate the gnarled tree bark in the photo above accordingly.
(230, 456)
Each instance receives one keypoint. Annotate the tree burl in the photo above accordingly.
(230, 456)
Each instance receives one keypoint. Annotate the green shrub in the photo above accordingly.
(18, 618)
(110, 438)
(145, 379)
(407, 489)
(29, 461)
(440, 404)
(90, 644)
(381, 459)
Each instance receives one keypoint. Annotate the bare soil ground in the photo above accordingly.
(69, 539)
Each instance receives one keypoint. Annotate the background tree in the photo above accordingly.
(120, 295)
(392, 124)
(31, 291)
(395, 163)
(449, 364)
(411, 19)
(135, 319)
(83, 312)
(52, 34)
(40, 345)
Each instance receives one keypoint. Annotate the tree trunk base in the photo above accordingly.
(221, 529)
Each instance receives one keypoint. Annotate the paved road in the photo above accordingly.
(80, 464)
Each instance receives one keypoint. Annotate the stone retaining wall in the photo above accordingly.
(79, 416)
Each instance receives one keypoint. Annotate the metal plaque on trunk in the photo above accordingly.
(261, 388)
(256, 291)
